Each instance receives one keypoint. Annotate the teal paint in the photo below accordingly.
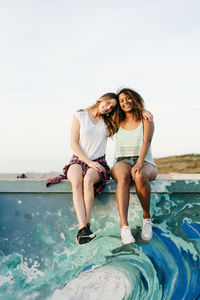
(41, 260)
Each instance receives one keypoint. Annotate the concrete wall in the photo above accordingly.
(164, 184)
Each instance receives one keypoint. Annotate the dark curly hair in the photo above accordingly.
(138, 104)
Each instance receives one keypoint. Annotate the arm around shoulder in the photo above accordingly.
(147, 115)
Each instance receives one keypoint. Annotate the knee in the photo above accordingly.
(77, 183)
(124, 178)
(88, 182)
(140, 178)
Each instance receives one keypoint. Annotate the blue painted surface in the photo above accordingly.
(41, 260)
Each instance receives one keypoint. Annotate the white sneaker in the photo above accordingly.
(147, 232)
(126, 235)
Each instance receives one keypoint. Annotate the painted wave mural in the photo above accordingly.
(39, 258)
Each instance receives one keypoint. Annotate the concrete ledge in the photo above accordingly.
(64, 187)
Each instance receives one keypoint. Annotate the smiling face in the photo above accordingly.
(106, 106)
(126, 102)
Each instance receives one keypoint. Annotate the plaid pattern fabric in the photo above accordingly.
(98, 187)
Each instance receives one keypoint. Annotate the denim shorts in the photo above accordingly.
(131, 160)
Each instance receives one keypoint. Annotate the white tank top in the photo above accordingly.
(93, 137)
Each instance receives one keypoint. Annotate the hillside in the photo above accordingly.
(188, 163)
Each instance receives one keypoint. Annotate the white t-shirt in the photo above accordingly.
(93, 137)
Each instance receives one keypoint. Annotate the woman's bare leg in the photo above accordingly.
(143, 189)
(121, 172)
(90, 178)
(75, 176)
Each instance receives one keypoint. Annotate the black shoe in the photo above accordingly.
(85, 235)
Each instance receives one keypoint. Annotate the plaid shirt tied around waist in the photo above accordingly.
(98, 187)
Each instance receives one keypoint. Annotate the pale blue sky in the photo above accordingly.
(58, 56)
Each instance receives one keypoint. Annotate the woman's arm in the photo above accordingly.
(147, 138)
(75, 136)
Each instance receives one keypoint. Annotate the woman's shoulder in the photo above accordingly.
(80, 113)
(147, 123)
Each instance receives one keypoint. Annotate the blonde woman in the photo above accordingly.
(88, 170)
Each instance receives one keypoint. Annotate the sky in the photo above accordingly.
(59, 56)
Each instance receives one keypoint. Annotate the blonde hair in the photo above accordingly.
(109, 119)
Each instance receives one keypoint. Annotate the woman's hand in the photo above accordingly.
(147, 115)
(136, 168)
(95, 165)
